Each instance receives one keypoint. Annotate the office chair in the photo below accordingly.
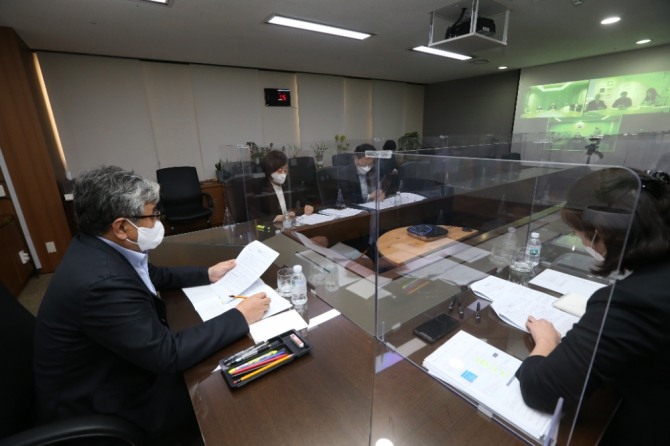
(326, 181)
(181, 197)
(17, 405)
(342, 159)
(302, 177)
(242, 193)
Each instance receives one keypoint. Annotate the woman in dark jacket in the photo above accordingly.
(622, 342)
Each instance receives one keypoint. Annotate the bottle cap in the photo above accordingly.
(297, 269)
(535, 234)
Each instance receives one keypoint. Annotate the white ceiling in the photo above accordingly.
(233, 32)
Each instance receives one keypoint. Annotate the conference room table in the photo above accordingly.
(354, 387)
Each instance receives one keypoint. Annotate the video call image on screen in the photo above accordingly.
(597, 101)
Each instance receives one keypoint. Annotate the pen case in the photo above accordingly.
(270, 355)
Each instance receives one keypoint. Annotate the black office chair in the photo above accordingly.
(181, 196)
(342, 159)
(302, 177)
(17, 404)
(242, 193)
(326, 181)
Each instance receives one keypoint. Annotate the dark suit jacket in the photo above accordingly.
(349, 184)
(102, 343)
(266, 204)
(633, 358)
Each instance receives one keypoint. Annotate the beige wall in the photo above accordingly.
(147, 115)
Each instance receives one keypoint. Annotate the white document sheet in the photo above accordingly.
(250, 264)
(314, 219)
(341, 213)
(276, 325)
(209, 305)
(485, 373)
(565, 283)
(393, 201)
(514, 303)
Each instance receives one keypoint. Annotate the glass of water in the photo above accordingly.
(284, 282)
(521, 268)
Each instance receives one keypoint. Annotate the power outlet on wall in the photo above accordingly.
(25, 257)
(51, 246)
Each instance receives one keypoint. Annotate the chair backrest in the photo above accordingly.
(326, 180)
(241, 196)
(302, 177)
(16, 350)
(342, 159)
(180, 189)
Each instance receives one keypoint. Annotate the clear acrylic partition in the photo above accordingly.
(359, 258)
(421, 276)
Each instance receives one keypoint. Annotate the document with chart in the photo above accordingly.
(486, 374)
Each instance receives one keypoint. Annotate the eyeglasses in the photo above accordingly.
(155, 216)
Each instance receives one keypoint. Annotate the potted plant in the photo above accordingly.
(294, 150)
(319, 149)
(257, 154)
(341, 143)
(409, 141)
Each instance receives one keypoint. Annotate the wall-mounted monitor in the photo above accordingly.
(277, 97)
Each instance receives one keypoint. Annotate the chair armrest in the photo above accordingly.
(77, 427)
(208, 197)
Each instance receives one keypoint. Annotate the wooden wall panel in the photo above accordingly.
(27, 146)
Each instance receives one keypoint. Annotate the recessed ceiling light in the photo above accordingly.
(162, 2)
(436, 52)
(311, 26)
(609, 20)
(502, 68)
(643, 41)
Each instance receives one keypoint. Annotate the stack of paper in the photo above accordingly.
(395, 200)
(486, 374)
(340, 213)
(514, 303)
(212, 300)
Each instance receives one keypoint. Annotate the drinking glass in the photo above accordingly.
(498, 257)
(284, 282)
(520, 268)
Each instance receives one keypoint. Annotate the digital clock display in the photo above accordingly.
(277, 97)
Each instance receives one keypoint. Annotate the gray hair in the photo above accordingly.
(104, 194)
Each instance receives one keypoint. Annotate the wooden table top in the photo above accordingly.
(398, 247)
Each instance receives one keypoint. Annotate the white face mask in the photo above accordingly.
(595, 254)
(278, 178)
(148, 238)
(363, 169)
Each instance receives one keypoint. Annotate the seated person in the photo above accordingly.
(628, 322)
(102, 341)
(651, 99)
(595, 104)
(356, 180)
(623, 101)
(275, 199)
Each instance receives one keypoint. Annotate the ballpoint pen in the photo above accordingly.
(451, 304)
(477, 314)
(461, 313)
(237, 297)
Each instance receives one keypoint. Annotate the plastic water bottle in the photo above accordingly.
(533, 249)
(298, 288)
(509, 244)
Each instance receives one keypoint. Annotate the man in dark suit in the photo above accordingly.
(102, 342)
(357, 180)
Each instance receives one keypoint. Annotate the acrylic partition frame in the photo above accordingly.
(476, 192)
